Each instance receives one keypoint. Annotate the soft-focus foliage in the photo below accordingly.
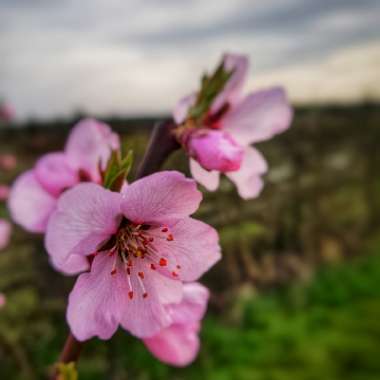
(269, 318)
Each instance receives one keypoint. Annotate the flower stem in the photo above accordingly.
(162, 143)
(70, 353)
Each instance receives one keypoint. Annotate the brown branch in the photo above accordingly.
(161, 145)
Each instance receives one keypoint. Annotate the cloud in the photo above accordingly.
(348, 75)
(139, 57)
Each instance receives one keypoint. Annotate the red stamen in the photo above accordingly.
(165, 229)
(152, 266)
(141, 275)
(129, 263)
(145, 295)
(163, 262)
(130, 295)
(170, 237)
(113, 272)
(178, 266)
(174, 274)
(128, 271)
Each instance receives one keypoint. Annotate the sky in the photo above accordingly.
(131, 57)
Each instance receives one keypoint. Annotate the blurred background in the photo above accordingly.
(297, 293)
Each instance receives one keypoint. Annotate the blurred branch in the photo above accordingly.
(161, 145)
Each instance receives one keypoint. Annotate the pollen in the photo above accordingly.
(130, 295)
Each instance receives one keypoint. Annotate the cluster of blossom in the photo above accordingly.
(136, 249)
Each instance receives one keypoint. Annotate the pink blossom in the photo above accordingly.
(178, 344)
(34, 194)
(4, 192)
(8, 161)
(139, 246)
(5, 233)
(245, 119)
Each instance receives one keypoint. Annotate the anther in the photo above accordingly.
(174, 274)
(163, 262)
(165, 229)
(145, 295)
(130, 295)
(152, 266)
(113, 271)
(170, 237)
(141, 275)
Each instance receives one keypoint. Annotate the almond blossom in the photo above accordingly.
(137, 247)
(217, 126)
(5, 233)
(34, 194)
(178, 344)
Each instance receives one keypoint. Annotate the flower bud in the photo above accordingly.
(215, 150)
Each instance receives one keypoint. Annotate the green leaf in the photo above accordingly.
(117, 170)
(67, 371)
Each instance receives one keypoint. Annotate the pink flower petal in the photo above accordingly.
(248, 179)
(232, 89)
(93, 308)
(30, 205)
(182, 108)
(160, 197)
(144, 317)
(209, 179)
(178, 344)
(54, 174)
(86, 216)
(5, 233)
(195, 248)
(259, 116)
(193, 304)
(90, 143)
(74, 264)
(100, 301)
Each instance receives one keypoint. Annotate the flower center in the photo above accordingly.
(134, 250)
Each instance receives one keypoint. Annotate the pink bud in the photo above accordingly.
(215, 150)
